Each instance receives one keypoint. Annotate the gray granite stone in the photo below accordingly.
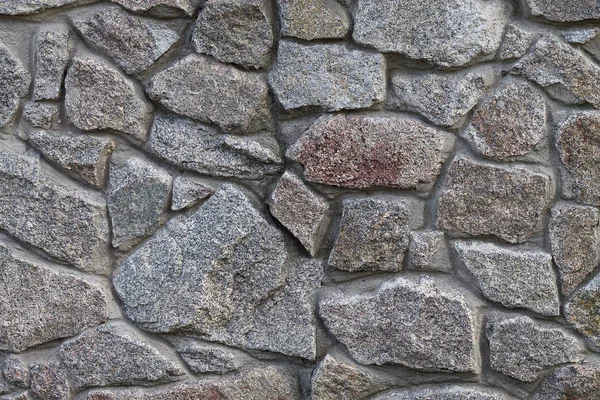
(515, 279)
(361, 152)
(18, 7)
(571, 382)
(448, 34)
(581, 310)
(168, 7)
(51, 58)
(16, 371)
(40, 115)
(373, 236)
(480, 199)
(313, 19)
(205, 358)
(187, 191)
(14, 84)
(565, 11)
(333, 379)
(446, 392)
(423, 325)
(49, 382)
(516, 42)
(428, 251)
(327, 77)
(579, 35)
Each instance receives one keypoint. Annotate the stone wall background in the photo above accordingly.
(290, 199)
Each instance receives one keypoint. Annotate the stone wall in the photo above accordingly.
(299, 199)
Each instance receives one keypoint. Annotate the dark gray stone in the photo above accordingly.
(40, 115)
(51, 58)
(16, 371)
(187, 191)
(446, 392)
(14, 84)
(581, 310)
(188, 7)
(313, 19)
(204, 358)
(333, 380)
(565, 11)
(571, 382)
(428, 251)
(513, 278)
(49, 382)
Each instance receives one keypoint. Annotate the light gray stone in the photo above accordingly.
(511, 123)
(206, 90)
(41, 305)
(18, 7)
(187, 191)
(16, 371)
(516, 42)
(138, 195)
(428, 251)
(115, 354)
(333, 380)
(188, 7)
(423, 325)
(204, 358)
(84, 156)
(304, 212)
(361, 152)
(236, 31)
(575, 240)
(14, 84)
(446, 392)
(373, 236)
(579, 35)
(133, 43)
(581, 310)
(65, 222)
(523, 279)
(327, 77)
(578, 144)
(99, 97)
(40, 115)
(443, 98)
(49, 382)
(522, 348)
(313, 19)
(198, 147)
(480, 199)
(51, 58)
(447, 34)
(553, 62)
(571, 382)
(565, 11)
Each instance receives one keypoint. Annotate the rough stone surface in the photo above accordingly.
(443, 98)
(516, 43)
(298, 19)
(334, 380)
(481, 199)
(301, 210)
(198, 147)
(40, 115)
(14, 84)
(114, 354)
(49, 382)
(138, 195)
(328, 77)
(561, 11)
(553, 62)
(456, 392)
(361, 152)
(428, 251)
(67, 223)
(578, 144)
(513, 278)
(16, 371)
(236, 31)
(373, 236)
(510, 124)
(169, 6)
(522, 348)
(581, 310)
(99, 97)
(40, 305)
(580, 35)
(571, 382)
(575, 240)
(133, 43)
(591, 42)
(420, 325)
(202, 358)
(17, 7)
(85, 156)
(187, 191)
(51, 58)
(448, 34)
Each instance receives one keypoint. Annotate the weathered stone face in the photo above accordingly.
(516, 42)
(418, 324)
(14, 84)
(450, 392)
(360, 152)
(49, 382)
(572, 381)
(202, 359)
(40, 115)
(298, 19)
(187, 191)
(186, 6)
(561, 11)
(17, 7)
(51, 58)
(333, 379)
(480, 199)
(428, 251)
(448, 34)
(581, 310)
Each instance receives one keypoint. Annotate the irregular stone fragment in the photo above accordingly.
(571, 382)
(202, 359)
(115, 354)
(328, 77)
(17, 7)
(187, 6)
(373, 236)
(206, 90)
(138, 195)
(481, 199)
(516, 42)
(361, 152)
(299, 19)
(421, 325)
(67, 223)
(510, 124)
(40, 115)
(578, 144)
(521, 348)
(580, 36)
(565, 11)
(98, 97)
(592, 44)
(14, 84)
(16, 371)
(442, 98)
(428, 251)
(133, 43)
(581, 310)
(85, 156)
(448, 34)
(334, 380)
(446, 392)
(41, 305)
(49, 382)
(187, 191)
(236, 31)
(197, 147)
(301, 210)
(51, 58)
(513, 278)
(552, 61)
(575, 240)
